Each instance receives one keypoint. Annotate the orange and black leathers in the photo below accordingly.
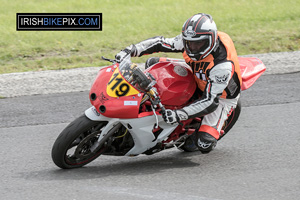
(217, 75)
(224, 53)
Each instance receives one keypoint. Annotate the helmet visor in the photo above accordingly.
(196, 47)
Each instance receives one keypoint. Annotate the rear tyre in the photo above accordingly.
(72, 147)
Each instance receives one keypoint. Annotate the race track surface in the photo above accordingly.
(258, 159)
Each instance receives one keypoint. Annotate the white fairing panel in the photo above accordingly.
(93, 115)
(139, 128)
(141, 132)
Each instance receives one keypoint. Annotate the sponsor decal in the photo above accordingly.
(181, 71)
(130, 103)
(95, 111)
(183, 117)
(189, 33)
(203, 145)
(102, 98)
(59, 21)
(222, 79)
(177, 38)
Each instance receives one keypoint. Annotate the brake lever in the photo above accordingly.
(109, 60)
(162, 107)
(154, 94)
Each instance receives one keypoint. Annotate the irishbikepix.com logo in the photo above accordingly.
(59, 21)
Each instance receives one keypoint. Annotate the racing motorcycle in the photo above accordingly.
(128, 103)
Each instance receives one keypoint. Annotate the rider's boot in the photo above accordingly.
(205, 142)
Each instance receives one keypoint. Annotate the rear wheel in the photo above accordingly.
(72, 148)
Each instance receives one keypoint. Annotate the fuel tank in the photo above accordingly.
(175, 82)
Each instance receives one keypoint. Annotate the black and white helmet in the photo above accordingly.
(199, 35)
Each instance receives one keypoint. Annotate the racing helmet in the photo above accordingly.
(199, 34)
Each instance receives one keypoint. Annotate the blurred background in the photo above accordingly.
(256, 26)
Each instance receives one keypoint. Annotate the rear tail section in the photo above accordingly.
(251, 70)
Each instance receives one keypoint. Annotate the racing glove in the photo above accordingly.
(174, 116)
(124, 53)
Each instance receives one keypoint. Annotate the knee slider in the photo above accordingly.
(206, 137)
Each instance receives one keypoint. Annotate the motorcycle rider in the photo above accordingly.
(212, 56)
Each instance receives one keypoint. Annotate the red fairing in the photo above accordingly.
(175, 82)
(251, 70)
(115, 107)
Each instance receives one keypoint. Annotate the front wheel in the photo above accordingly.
(72, 148)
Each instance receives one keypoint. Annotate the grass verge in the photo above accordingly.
(256, 26)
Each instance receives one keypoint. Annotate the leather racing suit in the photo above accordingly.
(217, 76)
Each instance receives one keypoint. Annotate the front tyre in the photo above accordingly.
(72, 148)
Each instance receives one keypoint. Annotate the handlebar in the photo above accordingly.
(147, 84)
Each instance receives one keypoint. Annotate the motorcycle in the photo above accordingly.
(125, 118)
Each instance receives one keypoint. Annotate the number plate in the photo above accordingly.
(118, 86)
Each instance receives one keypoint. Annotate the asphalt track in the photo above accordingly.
(258, 159)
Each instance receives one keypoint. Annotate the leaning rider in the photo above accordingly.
(213, 58)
